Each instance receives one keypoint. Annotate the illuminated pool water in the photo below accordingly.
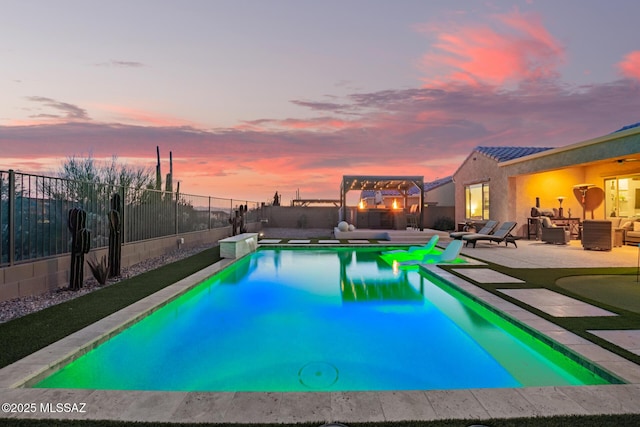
(329, 319)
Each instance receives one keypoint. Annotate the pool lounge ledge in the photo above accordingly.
(346, 407)
(608, 365)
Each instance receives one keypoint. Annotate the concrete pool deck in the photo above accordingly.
(343, 407)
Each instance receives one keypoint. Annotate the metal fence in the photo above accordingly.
(34, 214)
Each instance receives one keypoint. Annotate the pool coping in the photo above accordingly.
(254, 407)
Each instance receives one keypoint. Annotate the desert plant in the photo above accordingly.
(100, 269)
(80, 244)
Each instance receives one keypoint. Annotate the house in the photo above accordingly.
(504, 183)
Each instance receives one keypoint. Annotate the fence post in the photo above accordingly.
(123, 218)
(209, 212)
(176, 215)
(12, 216)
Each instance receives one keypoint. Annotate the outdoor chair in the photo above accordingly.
(487, 229)
(412, 217)
(502, 234)
(554, 234)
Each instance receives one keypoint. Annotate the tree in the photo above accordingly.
(111, 173)
(87, 179)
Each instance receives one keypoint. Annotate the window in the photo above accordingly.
(622, 196)
(477, 201)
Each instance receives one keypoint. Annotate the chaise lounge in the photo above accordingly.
(449, 254)
(427, 247)
(487, 229)
(502, 234)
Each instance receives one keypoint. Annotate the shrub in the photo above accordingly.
(100, 269)
(444, 224)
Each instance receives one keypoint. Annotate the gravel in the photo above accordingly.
(22, 306)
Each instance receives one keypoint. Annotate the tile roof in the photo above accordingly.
(428, 186)
(502, 154)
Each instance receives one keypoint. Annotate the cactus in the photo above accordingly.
(115, 236)
(243, 211)
(234, 221)
(169, 181)
(80, 245)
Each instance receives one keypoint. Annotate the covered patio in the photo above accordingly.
(381, 214)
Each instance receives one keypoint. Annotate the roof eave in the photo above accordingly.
(598, 140)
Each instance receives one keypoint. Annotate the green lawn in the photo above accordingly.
(558, 421)
(25, 335)
(596, 286)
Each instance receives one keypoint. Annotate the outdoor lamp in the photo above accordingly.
(560, 211)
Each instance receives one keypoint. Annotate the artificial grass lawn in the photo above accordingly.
(25, 335)
(557, 421)
(617, 291)
(584, 284)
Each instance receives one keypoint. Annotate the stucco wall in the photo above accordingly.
(481, 168)
(41, 276)
(443, 195)
(301, 217)
(547, 186)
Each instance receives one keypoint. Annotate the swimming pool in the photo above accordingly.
(329, 319)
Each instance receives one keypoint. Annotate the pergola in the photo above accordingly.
(382, 182)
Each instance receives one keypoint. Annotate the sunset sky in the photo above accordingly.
(254, 97)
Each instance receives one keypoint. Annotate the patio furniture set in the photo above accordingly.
(594, 234)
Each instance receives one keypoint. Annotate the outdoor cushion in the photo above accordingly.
(546, 222)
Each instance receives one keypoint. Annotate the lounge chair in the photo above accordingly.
(502, 234)
(427, 247)
(487, 229)
(449, 254)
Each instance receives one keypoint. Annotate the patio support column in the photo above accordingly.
(420, 218)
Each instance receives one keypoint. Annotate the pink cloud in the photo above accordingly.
(123, 114)
(630, 65)
(417, 131)
(519, 49)
(321, 124)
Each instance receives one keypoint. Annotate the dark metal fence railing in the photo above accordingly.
(34, 214)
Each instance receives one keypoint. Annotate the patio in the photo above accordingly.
(366, 406)
(528, 254)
